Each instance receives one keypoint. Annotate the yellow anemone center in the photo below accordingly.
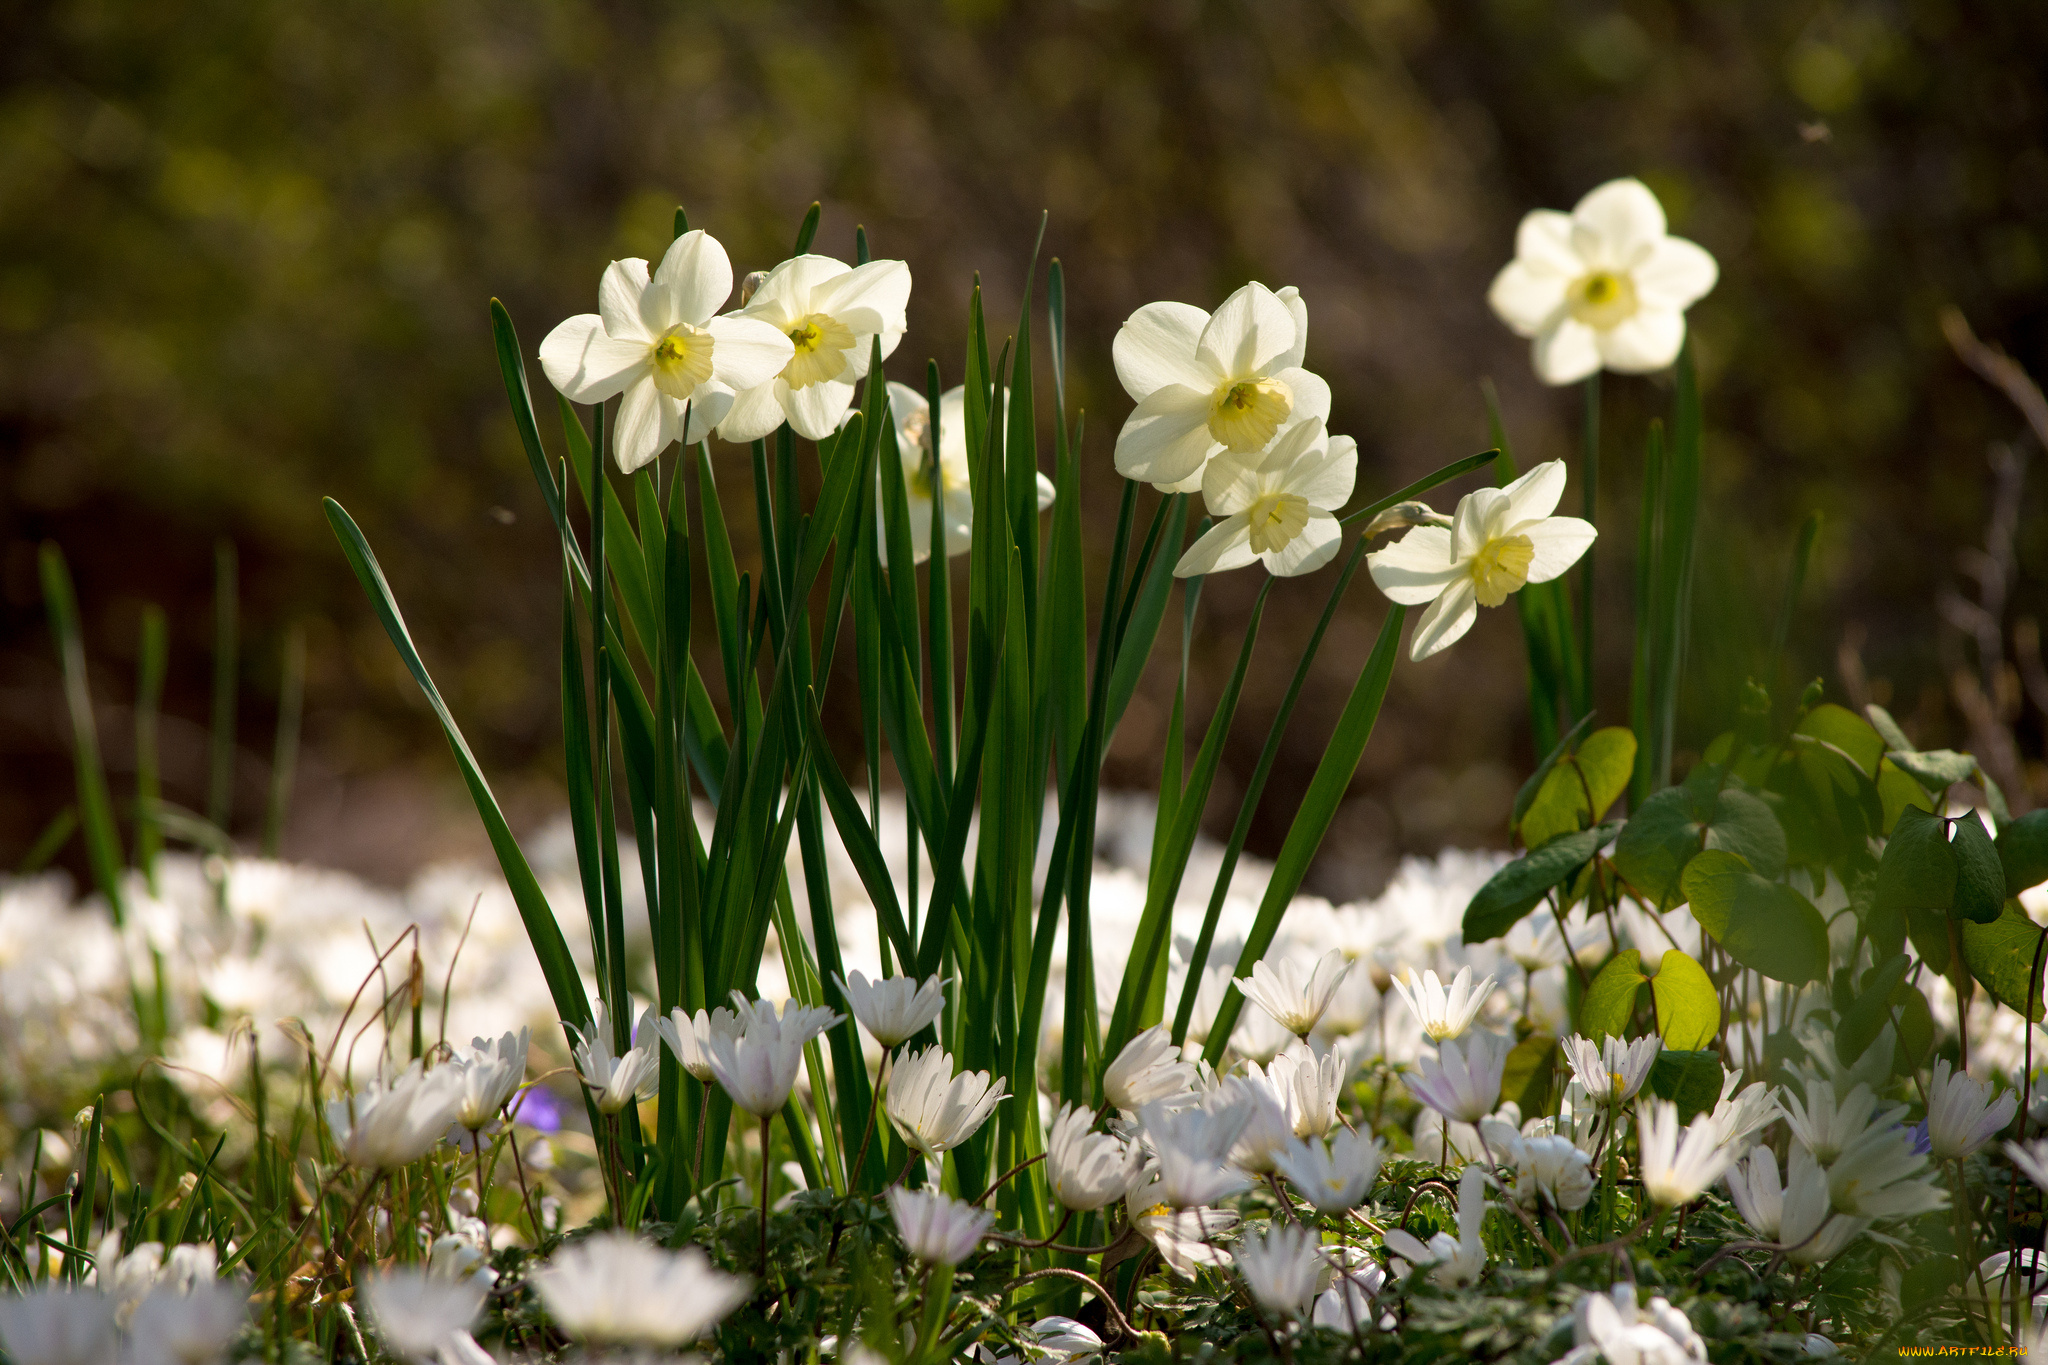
(682, 360)
(1156, 1211)
(1275, 520)
(1602, 299)
(1245, 415)
(1615, 1081)
(1501, 567)
(821, 342)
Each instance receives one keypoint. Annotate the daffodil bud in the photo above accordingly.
(1402, 515)
(750, 284)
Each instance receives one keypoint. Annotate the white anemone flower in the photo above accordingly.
(658, 341)
(1808, 1227)
(1743, 1112)
(1612, 1070)
(1063, 1338)
(1206, 383)
(894, 1009)
(490, 1073)
(689, 1036)
(1679, 1164)
(417, 1313)
(1148, 1069)
(1962, 1116)
(1825, 1126)
(1193, 1148)
(1276, 505)
(1550, 1166)
(1499, 540)
(1462, 1083)
(1270, 1131)
(1879, 1175)
(1185, 1238)
(193, 1327)
(935, 1227)
(1453, 1262)
(1612, 1327)
(58, 1325)
(947, 474)
(1086, 1169)
(935, 1110)
(385, 1126)
(2032, 1159)
(1336, 1175)
(613, 1287)
(1309, 1086)
(831, 313)
(1293, 993)
(617, 1081)
(757, 1069)
(1348, 1304)
(1601, 286)
(1759, 1198)
(1443, 1013)
(1283, 1269)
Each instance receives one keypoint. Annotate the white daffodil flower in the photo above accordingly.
(935, 1110)
(1443, 1013)
(1962, 1116)
(659, 341)
(895, 1008)
(1283, 1268)
(613, 1287)
(936, 1228)
(947, 474)
(1453, 1262)
(1462, 1083)
(830, 313)
(1295, 994)
(1208, 383)
(1333, 1176)
(1499, 540)
(1148, 1069)
(1603, 285)
(1275, 505)
(1087, 1170)
(1679, 1164)
(1612, 1070)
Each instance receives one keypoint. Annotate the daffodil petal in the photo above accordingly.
(1224, 546)
(1479, 518)
(1311, 394)
(1647, 340)
(1315, 546)
(618, 298)
(1566, 353)
(638, 436)
(1535, 495)
(1676, 274)
(586, 364)
(1045, 492)
(1231, 483)
(883, 286)
(1559, 542)
(1527, 298)
(1166, 437)
(691, 284)
(1248, 334)
(707, 408)
(790, 286)
(1326, 480)
(746, 352)
(1617, 225)
(1543, 242)
(1416, 568)
(1156, 347)
(1447, 619)
(755, 412)
(814, 410)
(1297, 308)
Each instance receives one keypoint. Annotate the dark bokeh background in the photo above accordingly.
(245, 250)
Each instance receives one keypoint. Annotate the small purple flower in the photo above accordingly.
(538, 1109)
(1917, 1134)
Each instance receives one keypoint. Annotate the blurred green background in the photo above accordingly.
(246, 249)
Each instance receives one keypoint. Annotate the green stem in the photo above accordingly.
(1589, 474)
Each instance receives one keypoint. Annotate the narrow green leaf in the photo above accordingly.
(1134, 648)
(220, 788)
(512, 368)
(1312, 819)
(102, 838)
(149, 696)
(808, 230)
(556, 965)
(284, 752)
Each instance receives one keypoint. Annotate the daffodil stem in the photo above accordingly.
(1590, 477)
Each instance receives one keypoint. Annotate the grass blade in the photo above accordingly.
(284, 753)
(149, 697)
(96, 808)
(220, 791)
